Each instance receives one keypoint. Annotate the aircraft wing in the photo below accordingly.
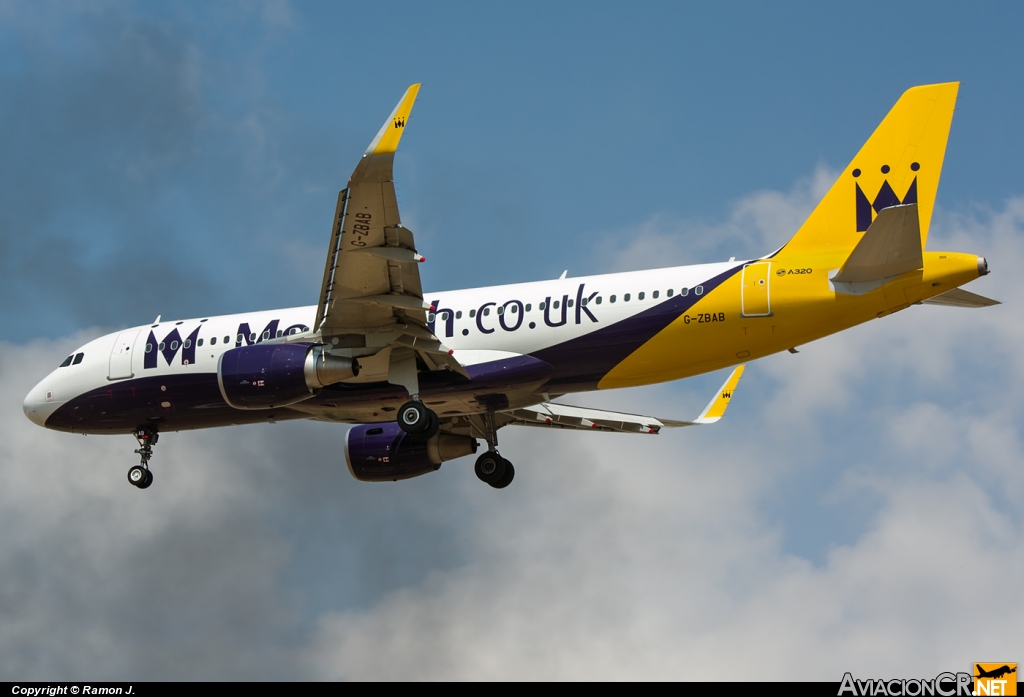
(371, 297)
(552, 415)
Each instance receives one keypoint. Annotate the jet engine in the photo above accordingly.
(384, 452)
(264, 376)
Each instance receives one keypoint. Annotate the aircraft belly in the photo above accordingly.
(174, 402)
(193, 400)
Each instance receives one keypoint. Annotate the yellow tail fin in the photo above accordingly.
(899, 164)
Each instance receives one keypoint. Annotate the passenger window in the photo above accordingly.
(213, 341)
(252, 338)
(556, 303)
(227, 339)
(699, 290)
(430, 317)
(458, 314)
(654, 295)
(149, 349)
(188, 343)
(515, 309)
(529, 307)
(640, 296)
(669, 292)
(78, 358)
(174, 345)
(583, 302)
(472, 313)
(487, 312)
(266, 335)
(501, 310)
(625, 298)
(684, 292)
(540, 306)
(161, 346)
(598, 301)
(280, 333)
(611, 299)
(67, 361)
(240, 338)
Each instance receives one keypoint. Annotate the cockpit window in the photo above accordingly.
(67, 362)
(78, 358)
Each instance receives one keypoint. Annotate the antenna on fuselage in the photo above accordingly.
(157, 320)
(562, 277)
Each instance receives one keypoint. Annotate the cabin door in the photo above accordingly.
(121, 355)
(755, 298)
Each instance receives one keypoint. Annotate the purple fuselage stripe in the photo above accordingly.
(580, 363)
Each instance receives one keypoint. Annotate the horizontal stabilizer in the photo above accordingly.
(585, 419)
(959, 297)
(891, 247)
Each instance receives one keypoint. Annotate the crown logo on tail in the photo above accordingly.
(885, 198)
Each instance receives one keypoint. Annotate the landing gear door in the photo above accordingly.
(121, 356)
(755, 296)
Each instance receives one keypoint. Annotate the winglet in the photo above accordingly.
(716, 408)
(390, 133)
(376, 164)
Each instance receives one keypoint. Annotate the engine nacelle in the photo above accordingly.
(385, 453)
(264, 376)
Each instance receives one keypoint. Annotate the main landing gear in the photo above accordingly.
(495, 470)
(139, 475)
(416, 420)
(491, 468)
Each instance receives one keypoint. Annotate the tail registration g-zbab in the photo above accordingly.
(424, 375)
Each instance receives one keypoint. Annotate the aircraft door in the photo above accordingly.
(755, 297)
(121, 356)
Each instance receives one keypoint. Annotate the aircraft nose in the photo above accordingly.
(34, 405)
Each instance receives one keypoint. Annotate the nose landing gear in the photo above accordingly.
(140, 475)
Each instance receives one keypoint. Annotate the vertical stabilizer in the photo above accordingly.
(898, 165)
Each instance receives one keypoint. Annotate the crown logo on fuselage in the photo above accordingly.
(885, 198)
(400, 123)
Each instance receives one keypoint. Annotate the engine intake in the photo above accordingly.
(384, 452)
(264, 376)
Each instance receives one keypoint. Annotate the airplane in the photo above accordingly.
(995, 673)
(423, 376)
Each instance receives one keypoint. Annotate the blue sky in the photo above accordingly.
(183, 160)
